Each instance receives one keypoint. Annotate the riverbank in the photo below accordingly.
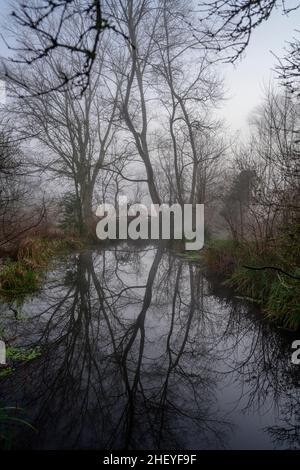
(21, 272)
(269, 276)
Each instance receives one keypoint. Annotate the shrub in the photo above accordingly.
(278, 294)
(283, 303)
(17, 279)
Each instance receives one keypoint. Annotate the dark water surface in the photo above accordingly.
(141, 351)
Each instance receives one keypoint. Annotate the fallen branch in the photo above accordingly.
(261, 268)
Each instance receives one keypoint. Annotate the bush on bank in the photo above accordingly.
(277, 293)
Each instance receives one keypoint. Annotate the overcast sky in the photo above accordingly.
(245, 80)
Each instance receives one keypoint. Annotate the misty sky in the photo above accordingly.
(244, 81)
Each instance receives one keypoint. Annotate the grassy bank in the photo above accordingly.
(22, 274)
(275, 288)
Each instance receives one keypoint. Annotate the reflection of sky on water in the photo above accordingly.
(141, 350)
(2, 92)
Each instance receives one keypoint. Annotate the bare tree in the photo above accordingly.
(288, 68)
(189, 89)
(153, 79)
(19, 212)
(261, 204)
(74, 134)
(228, 25)
(52, 23)
(138, 20)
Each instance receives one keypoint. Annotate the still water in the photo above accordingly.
(140, 350)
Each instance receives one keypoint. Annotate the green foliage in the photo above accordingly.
(17, 280)
(18, 354)
(23, 277)
(236, 199)
(70, 210)
(277, 293)
(6, 371)
(284, 301)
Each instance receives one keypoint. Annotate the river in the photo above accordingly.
(139, 349)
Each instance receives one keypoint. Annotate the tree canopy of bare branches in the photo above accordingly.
(228, 24)
(53, 22)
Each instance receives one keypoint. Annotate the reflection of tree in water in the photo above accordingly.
(132, 346)
(287, 435)
(260, 359)
(121, 356)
